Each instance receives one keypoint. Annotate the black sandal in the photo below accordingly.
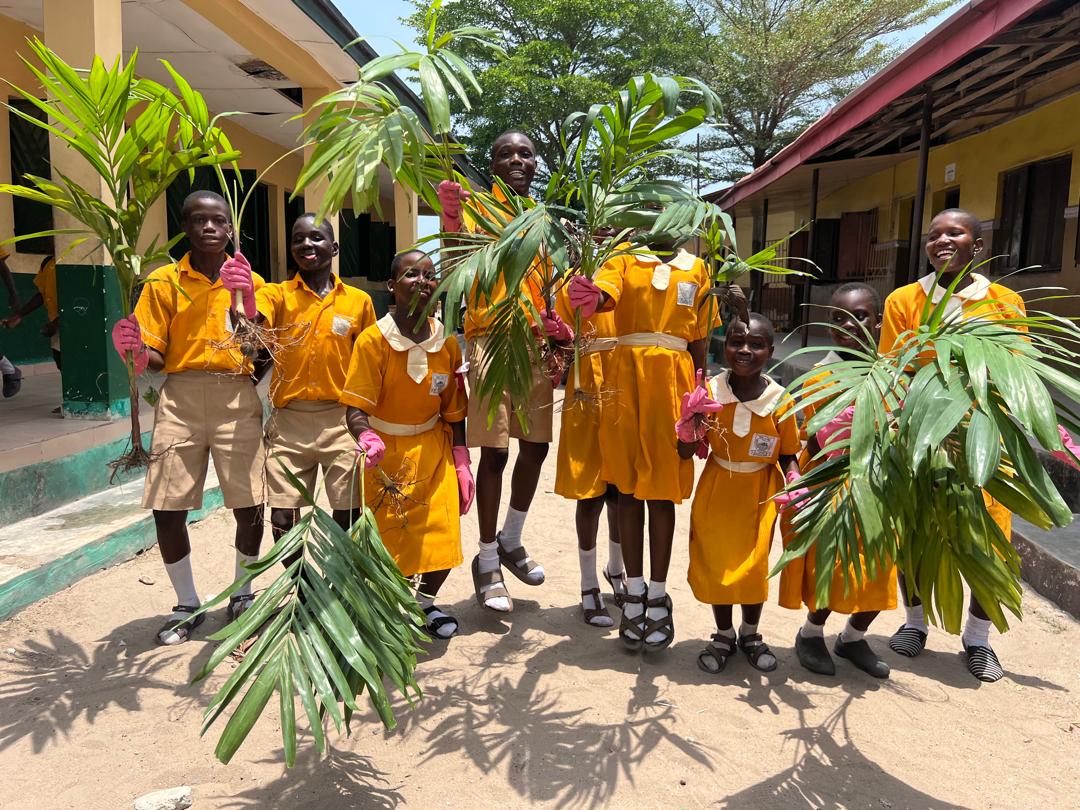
(637, 625)
(182, 628)
(755, 648)
(719, 650)
(239, 605)
(434, 625)
(664, 625)
(616, 596)
(594, 613)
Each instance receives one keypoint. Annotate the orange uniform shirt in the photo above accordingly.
(184, 328)
(319, 338)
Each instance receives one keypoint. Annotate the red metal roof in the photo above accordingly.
(967, 29)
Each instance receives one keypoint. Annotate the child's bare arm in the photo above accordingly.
(790, 464)
(698, 354)
(686, 450)
(458, 430)
(157, 359)
(356, 421)
(9, 283)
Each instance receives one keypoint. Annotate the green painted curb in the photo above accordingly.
(104, 552)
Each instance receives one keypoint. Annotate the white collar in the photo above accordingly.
(417, 365)
(831, 357)
(764, 405)
(682, 260)
(975, 290)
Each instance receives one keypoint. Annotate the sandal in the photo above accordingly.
(518, 563)
(616, 594)
(494, 578)
(598, 612)
(433, 625)
(755, 648)
(180, 628)
(239, 605)
(718, 650)
(665, 625)
(636, 625)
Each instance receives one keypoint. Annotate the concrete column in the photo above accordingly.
(314, 193)
(405, 212)
(94, 379)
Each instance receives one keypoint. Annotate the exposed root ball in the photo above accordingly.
(137, 458)
(396, 490)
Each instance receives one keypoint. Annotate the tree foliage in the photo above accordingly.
(562, 55)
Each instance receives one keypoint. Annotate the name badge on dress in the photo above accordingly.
(341, 325)
(438, 384)
(762, 445)
(687, 293)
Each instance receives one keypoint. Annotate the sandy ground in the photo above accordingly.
(538, 709)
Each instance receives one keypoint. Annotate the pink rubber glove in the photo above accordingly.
(451, 196)
(784, 499)
(1070, 447)
(837, 430)
(695, 404)
(371, 445)
(584, 295)
(236, 278)
(127, 337)
(555, 327)
(703, 450)
(466, 485)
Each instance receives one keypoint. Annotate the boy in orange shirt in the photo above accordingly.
(208, 406)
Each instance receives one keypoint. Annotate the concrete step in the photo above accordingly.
(43, 554)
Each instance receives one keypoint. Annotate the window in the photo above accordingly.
(367, 247)
(1032, 226)
(857, 236)
(29, 155)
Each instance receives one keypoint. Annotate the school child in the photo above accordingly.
(406, 409)
(319, 319)
(753, 449)
(208, 406)
(855, 316)
(11, 376)
(513, 160)
(578, 474)
(45, 281)
(663, 313)
(952, 243)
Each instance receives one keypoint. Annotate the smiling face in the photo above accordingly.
(414, 280)
(952, 241)
(312, 246)
(854, 311)
(513, 160)
(207, 224)
(747, 348)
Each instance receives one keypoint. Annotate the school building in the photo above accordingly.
(981, 113)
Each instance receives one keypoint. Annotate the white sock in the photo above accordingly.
(728, 633)
(587, 559)
(426, 602)
(614, 559)
(811, 630)
(915, 617)
(976, 631)
(657, 590)
(5, 366)
(489, 561)
(243, 559)
(510, 536)
(851, 633)
(183, 582)
(747, 629)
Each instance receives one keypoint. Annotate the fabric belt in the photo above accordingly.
(657, 340)
(396, 429)
(740, 466)
(605, 344)
(313, 405)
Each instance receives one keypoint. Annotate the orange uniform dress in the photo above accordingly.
(732, 517)
(797, 580)
(578, 473)
(422, 529)
(981, 298)
(659, 308)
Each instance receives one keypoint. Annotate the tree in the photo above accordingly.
(779, 64)
(563, 55)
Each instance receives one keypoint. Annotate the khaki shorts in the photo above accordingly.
(201, 415)
(305, 436)
(506, 424)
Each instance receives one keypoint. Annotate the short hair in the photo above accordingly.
(765, 324)
(502, 135)
(973, 222)
(323, 223)
(399, 260)
(859, 286)
(202, 194)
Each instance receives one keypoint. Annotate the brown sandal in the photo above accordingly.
(718, 650)
(489, 578)
(615, 592)
(636, 625)
(754, 648)
(591, 614)
(518, 563)
(664, 625)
